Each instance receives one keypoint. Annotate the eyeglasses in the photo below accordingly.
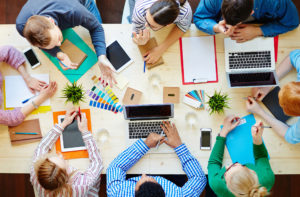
(151, 27)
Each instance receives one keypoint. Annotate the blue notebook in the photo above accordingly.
(239, 141)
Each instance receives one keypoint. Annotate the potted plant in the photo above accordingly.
(218, 102)
(73, 93)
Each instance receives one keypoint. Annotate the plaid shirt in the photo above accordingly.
(117, 185)
(83, 183)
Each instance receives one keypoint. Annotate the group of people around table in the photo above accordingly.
(41, 23)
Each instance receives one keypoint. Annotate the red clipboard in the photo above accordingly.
(276, 38)
(182, 65)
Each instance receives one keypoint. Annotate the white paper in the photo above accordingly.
(17, 91)
(199, 59)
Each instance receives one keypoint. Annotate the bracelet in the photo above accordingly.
(34, 105)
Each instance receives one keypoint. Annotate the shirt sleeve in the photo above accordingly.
(53, 52)
(138, 20)
(285, 19)
(92, 176)
(116, 172)
(292, 134)
(11, 117)
(196, 177)
(11, 56)
(295, 59)
(185, 17)
(207, 15)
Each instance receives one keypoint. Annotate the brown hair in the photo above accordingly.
(236, 11)
(244, 183)
(289, 98)
(165, 12)
(53, 178)
(36, 31)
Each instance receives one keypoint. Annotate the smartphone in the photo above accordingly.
(31, 57)
(205, 139)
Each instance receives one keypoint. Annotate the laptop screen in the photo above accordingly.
(148, 112)
(252, 79)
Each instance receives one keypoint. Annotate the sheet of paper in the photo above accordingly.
(199, 59)
(17, 91)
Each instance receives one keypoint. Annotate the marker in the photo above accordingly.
(25, 133)
(144, 66)
(79, 114)
(26, 100)
(62, 63)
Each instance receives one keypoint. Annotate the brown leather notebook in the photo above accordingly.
(75, 54)
(28, 126)
(147, 47)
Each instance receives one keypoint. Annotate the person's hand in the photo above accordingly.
(172, 134)
(260, 93)
(107, 73)
(34, 84)
(48, 90)
(69, 117)
(152, 140)
(153, 55)
(221, 27)
(230, 122)
(64, 58)
(245, 32)
(82, 123)
(252, 106)
(142, 37)
(257, 132)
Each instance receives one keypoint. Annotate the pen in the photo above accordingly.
(62, 63)
(246, 98)
(26, 100)
(79, 114)
(266, 127)
(25, 133)
(144, 66)
(161, 133)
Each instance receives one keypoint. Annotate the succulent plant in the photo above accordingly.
(218, 102)
(73, 93)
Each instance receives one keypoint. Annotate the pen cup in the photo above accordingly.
(101, 135)
(191, 119)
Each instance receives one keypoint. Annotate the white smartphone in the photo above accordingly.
(31, 57)
(205, 139)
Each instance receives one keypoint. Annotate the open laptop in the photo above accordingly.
(145, 119)
(250, 64)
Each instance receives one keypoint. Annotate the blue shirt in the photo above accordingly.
(278, 16)
(66, 14)
(292, 135)
(117, 185)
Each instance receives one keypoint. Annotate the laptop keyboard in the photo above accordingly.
(139, 130)
(257, 59)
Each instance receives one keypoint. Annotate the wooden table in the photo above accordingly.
(285, 158)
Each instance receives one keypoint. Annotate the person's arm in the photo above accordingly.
(190, 165)
(292, 134)
(116, 172)
(207, 15)
(287, 19)
(11, 117)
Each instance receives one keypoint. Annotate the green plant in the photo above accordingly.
(73, 93)
(218, 102)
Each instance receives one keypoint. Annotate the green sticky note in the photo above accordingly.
(91, 60)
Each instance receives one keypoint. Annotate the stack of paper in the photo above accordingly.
(195, 99)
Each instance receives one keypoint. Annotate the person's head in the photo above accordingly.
(52, 175)
(148, 187)
(236, 11)
(42, 32)
(243, 182)
(162, 13)
(289, 98)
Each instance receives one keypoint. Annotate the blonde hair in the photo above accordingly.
(244, 183)
(289, 98)
(53, 178)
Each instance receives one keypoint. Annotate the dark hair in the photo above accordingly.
(165, 12)
(236, 11)
(150, 189)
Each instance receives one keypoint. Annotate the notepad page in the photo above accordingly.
(199, 58)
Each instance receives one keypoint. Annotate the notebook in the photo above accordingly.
(271, 101)
(75, 54)
(198, 60)
(28, 126)
(147, 47)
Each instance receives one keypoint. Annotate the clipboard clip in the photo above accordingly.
(200, 80)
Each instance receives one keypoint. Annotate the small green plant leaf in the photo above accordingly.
(218, 102)
(73, 93)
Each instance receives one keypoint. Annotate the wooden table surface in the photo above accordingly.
(285, 158)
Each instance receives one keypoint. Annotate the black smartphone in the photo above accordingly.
(205, 139)
(31, 57)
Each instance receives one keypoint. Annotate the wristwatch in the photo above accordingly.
(34, 105)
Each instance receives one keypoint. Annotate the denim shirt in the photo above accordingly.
(277, 16)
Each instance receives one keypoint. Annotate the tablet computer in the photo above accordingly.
(117, 56)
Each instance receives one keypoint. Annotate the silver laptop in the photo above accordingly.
(145, 119)
(250, 64)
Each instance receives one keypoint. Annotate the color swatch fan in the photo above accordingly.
(194, 98)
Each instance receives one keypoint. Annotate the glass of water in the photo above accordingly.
(154, 79)
(191, 119)
(101, 135)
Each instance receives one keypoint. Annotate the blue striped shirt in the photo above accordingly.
(117, 185)
(183, 20)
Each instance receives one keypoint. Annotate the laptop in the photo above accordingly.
(145, 119)
(250, 64)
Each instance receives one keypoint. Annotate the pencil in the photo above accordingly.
(22, 133)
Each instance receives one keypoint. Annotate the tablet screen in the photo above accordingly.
(117, 56)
